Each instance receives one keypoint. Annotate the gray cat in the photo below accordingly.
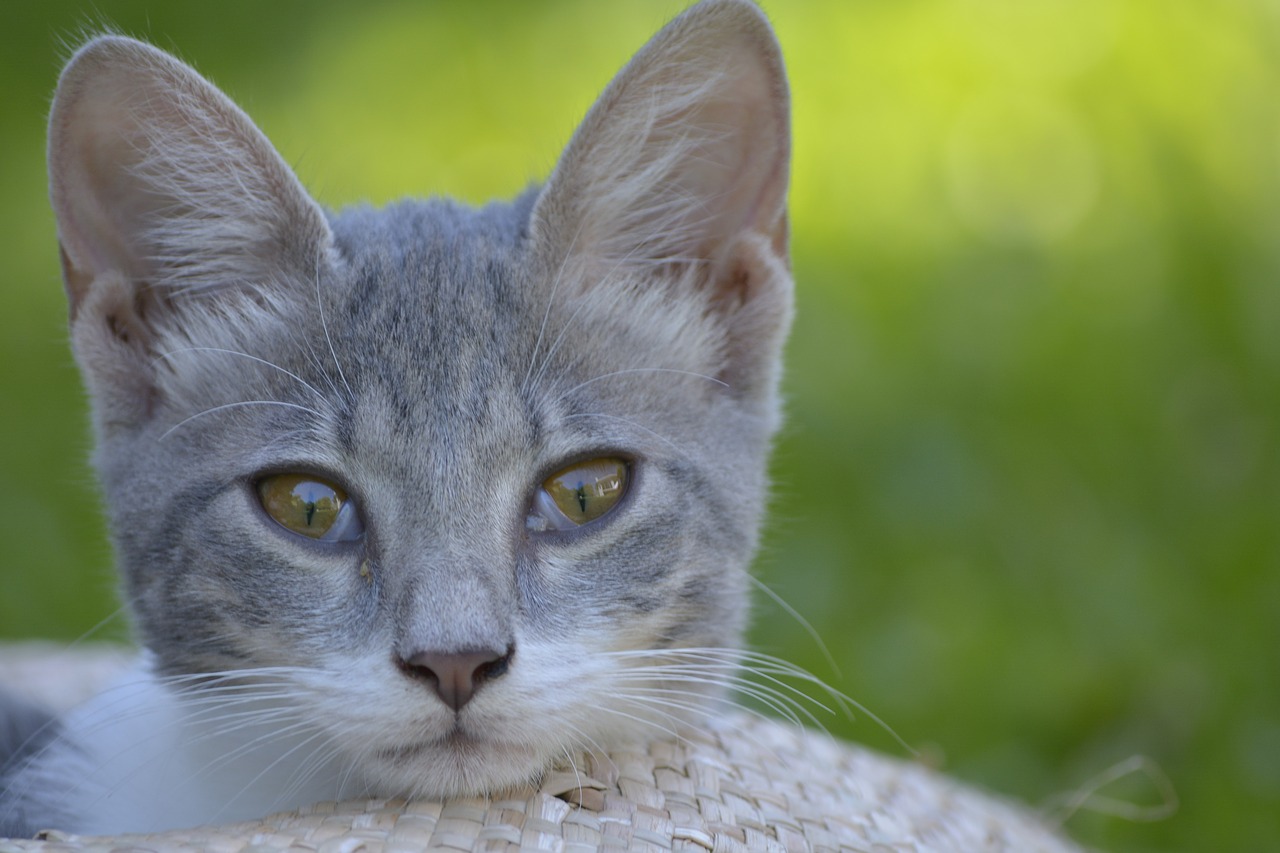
(420, 500)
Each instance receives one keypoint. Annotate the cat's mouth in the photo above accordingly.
(457, 764)
(457, 743)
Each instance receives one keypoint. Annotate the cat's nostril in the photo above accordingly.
(456, 676)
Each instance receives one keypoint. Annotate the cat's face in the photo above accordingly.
(461, 490)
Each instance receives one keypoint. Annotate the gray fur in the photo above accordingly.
(439, 362)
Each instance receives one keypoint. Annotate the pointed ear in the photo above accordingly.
(687, 148)
(157, 175)
(163, 189)
(682, 163)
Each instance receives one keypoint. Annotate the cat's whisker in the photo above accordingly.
(573, 765)
(685, 716)
(171, 354)
(313, 359)
(604, 289)
(275, 763)
(218, 720)
(792, 707)
(304, 771)
(345, 779)
(803, 622)
(744, 732)
(196, 695)
(234, 675)
(195, 691)
(242, 709)
(589, 743)
(772, 669)
(315, 764)
(584, 302)
(788, 709)
(251, 685)
(226, 406)
(272, 735)
(634, 370)
(98, 626)
(671, 731)
(551, 299)
(625, 420)
(733, 657)
(735, 676)
(784, 700)
(328, 339)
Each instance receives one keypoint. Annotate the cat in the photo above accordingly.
(414, 501)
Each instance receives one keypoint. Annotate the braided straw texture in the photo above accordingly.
(746, 784)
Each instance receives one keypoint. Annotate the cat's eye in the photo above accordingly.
(310, 506)
(579, 494)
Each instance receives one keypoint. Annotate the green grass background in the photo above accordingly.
(1029, 493)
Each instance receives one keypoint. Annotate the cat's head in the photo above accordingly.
(460, 488)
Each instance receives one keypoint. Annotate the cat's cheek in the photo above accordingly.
(292, 596)
(616, 563)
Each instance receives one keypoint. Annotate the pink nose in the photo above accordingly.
(456, 676)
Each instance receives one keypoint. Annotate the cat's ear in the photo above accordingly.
(682, 163)
(168, 199)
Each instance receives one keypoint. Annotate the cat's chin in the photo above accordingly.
(456, 765)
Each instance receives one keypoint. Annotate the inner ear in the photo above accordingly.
(686, 150)
(156, 175)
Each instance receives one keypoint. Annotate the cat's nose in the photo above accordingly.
(456, 676)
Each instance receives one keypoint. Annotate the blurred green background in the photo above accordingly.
(1029, 493)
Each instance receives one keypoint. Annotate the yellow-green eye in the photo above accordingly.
(308, 505)
(579, 494)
